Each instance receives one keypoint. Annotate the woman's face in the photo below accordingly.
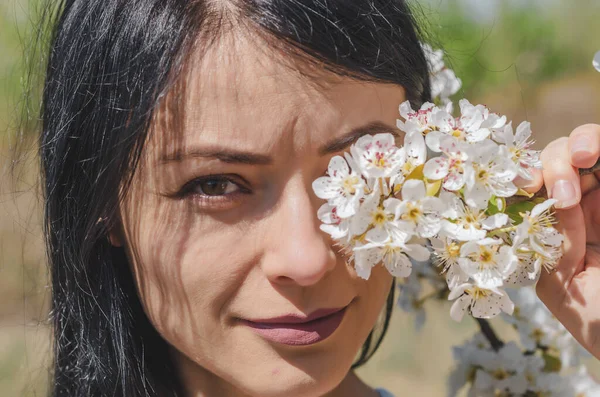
(221, 229)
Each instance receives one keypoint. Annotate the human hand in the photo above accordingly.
(572, 292)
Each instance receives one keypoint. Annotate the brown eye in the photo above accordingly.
(216, 187)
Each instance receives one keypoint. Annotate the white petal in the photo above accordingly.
(489, 241)
(413, 190)
(377, 235)
(454, 181)
(365, 259)
(541, 207)
(460, 233)
(477, 196)
(505, 135)
(338, 167)
(363, 272)
(459, 307)
(418, 252)
(325, 188)
(523, 133)
(398, 265)
(596, 61)
(458, 291)
(483, 380)
(504, 190)
(479, 135)
(507, 260)
(486, 307)
(405, 109)
(429, 226)
(434, 205)
(436, 168)
(433, 140)
(552, 237)
(346, 206)
(325, 214)
(335, 231)
(455, 276)
(495, 221)
(506, 305)
(415, 146)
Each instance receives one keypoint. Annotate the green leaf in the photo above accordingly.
(514, 210)
(551, 363)
(492, 208)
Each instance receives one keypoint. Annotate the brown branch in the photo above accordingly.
(490, 335)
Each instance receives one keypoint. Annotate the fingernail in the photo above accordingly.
(564, 192)
(524, 183)
(581, 147)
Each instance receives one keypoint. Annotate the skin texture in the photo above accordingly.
(572, 293)
(203, 262)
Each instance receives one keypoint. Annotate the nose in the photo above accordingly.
(298, 251)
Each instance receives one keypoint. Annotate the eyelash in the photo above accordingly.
(191, 189)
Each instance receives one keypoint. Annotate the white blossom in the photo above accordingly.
(475, 124)
(343, 187)
(416, 154)
(443, 81)
(481, 302)
(487, 261)
(379, 221)
(423, 211)
(464, 223)
(451, 166)
(378, 156)
(418, 121)
(518, 146)
(537, 236)
(394, 255)
(538, 327)
(332, 224)
(491, 174)
(596, 61)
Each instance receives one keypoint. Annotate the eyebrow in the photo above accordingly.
(240, 157)
(341, 143)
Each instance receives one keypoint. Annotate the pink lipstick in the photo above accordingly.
(298, 330)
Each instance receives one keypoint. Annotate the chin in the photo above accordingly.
(290, 381)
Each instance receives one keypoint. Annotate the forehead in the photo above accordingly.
(242, 93)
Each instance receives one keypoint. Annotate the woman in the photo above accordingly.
(180, 140)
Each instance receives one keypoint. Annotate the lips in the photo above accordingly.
(299, 330)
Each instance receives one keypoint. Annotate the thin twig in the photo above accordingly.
(490, 335)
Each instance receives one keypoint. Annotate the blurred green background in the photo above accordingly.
(526, 59)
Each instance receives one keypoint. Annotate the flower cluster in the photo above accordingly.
(444, 192)
(547, 362)
(511, 371)
(442, 80)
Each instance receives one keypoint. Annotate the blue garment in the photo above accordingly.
(384, 393)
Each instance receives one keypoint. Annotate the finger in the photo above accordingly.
(584, 145)
(560, 177)
(531, 185)
(553, 287)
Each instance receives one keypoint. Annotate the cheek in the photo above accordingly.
(373, 298)
(185, 270)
